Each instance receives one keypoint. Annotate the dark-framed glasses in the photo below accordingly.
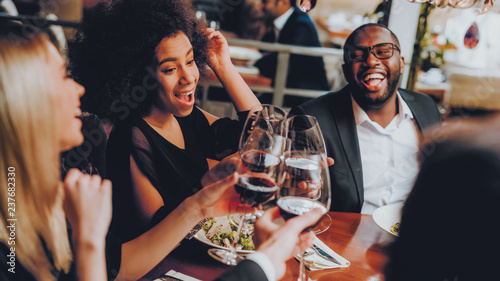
(380, 51)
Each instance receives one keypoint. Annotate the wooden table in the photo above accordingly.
(354, 236)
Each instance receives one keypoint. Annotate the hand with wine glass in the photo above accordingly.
(261, 144)
(282, 242)
(305, 181)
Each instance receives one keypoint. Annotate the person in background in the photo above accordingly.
(90, 156)
(36, 243)
(289, 25)
(449, 228)
(371, 128)
(161, 143)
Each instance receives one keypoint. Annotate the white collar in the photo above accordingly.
(360, 115)
(280, 21)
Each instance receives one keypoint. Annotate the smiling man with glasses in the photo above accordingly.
(371, 128)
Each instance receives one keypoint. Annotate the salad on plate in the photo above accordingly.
(221, 231)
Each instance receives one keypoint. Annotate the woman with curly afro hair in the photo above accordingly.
(140, 61)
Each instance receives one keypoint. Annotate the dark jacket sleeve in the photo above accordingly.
(246, 270)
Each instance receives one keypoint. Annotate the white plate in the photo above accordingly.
(200, 236)
(387, 216)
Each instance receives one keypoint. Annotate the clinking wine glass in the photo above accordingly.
(305, 180)
(265, 116)
(261, 145)
(269, 118)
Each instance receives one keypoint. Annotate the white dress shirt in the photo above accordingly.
(388, 156)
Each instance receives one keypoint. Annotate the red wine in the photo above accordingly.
(254, 190)
(291, 207)
(303, 169)
(259, 161)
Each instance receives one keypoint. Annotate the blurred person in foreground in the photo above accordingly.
(449, 227)
(371, 128)
(290, 25)
(59, 231)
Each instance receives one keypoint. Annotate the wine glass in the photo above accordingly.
(261, 146)
(267, 117)
(305, 181)
(272, 118)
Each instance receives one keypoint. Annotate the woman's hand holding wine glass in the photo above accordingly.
(261, 145)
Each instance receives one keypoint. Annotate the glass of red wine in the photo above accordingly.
(270, 119)
(305, 180)
(261, 145)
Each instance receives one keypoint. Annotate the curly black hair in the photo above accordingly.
(113, 52)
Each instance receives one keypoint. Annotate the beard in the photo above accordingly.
(364, 100)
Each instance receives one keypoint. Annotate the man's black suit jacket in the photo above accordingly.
(336, 120)
(304, 72)
(246, 270)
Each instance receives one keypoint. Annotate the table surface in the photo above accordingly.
(354, 236)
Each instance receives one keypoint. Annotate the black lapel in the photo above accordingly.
(346, 127)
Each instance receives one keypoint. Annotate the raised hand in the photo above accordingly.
(282, 242)
(220, 198)
(225, 168)
(87, 204)
(218, 50)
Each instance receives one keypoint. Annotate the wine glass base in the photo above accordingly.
(225, 256)
(324, 223)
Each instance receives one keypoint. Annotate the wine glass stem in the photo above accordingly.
(302, 271)
(232, 257)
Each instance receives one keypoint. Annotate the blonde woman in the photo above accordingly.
(38, 109)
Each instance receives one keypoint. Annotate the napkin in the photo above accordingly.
(174, 275)
(316, 262)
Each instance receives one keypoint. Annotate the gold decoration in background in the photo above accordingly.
(462, 4)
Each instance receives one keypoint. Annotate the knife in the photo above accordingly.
(325, 254)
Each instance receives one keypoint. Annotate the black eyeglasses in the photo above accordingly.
(380, 51)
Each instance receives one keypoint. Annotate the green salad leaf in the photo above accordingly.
(245, 241)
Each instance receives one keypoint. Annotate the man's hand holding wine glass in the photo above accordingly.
(282, 242)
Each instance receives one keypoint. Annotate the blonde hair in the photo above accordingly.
(30, 150)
